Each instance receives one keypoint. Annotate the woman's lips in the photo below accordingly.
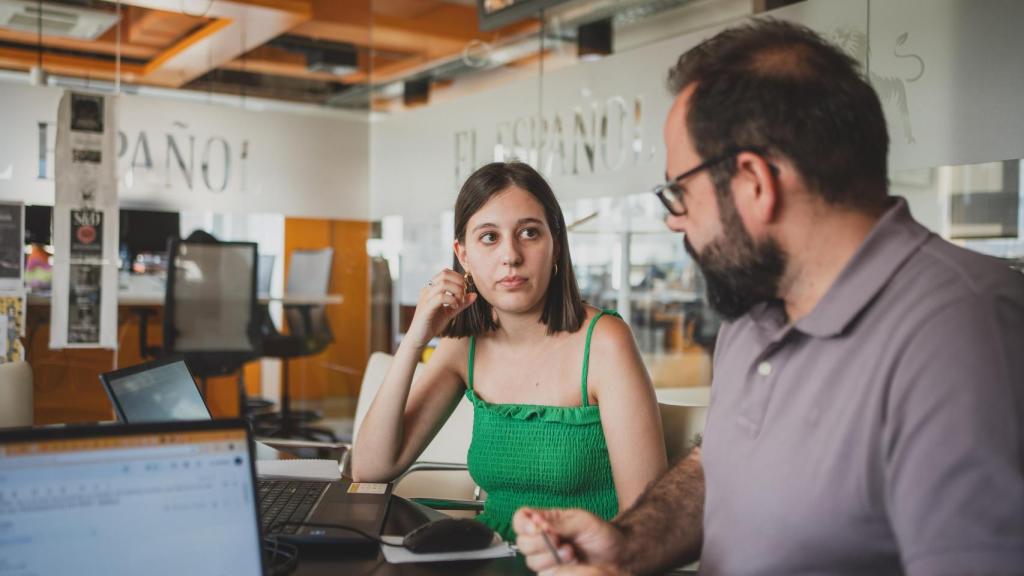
(511, 282)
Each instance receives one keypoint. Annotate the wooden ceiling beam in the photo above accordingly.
(157, 28)
(77, 66)
(99, 46)
(441, 30)
(235, 27)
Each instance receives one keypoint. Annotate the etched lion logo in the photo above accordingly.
(890, 88)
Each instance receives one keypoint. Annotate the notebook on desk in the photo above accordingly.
(165, 391)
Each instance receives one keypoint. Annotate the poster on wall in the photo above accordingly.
(84, 302)
(12, 327)
(12, 233)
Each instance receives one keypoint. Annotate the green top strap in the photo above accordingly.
(472, 353)
(586, 354)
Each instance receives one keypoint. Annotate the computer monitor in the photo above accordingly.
(37, 224)
(158, 391)
(173, 498)
(148, 231)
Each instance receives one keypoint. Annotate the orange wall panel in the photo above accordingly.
(66, 382)
(338, 370)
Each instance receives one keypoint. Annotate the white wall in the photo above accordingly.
(948, 72)
(419, 158)
(314, 164)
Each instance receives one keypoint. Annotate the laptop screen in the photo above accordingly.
(129, 503)
(161, 392)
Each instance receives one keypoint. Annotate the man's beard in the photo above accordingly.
(738, 271)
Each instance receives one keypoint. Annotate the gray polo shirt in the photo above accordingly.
(883, 433)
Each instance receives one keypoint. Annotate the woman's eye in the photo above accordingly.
(488, 237)
(529, 233)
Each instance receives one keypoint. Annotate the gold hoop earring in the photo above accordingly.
(556, 270)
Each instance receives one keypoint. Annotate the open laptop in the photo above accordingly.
(158, 391)
(123, 500)
(165, 391)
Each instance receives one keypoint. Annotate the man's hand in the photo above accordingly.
(584, 570)
(577, 535)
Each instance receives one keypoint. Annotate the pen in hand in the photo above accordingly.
(551, 547)
(547, 540)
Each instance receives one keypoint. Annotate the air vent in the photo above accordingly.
(56, 19)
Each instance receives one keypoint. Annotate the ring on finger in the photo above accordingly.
(430, 282)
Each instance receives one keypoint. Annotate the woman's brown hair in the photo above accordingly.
(563, 307)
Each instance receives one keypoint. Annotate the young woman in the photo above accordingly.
(564, 412)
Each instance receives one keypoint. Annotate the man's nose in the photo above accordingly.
(676, 223)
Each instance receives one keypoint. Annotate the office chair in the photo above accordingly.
(684, 412)
(264, 277)
(210, 307)
(309, 333)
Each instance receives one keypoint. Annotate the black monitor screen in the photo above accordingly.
(148, 230)
(496, 13)
(37, 224)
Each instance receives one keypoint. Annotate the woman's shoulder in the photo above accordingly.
(610, 329)
(452, 354)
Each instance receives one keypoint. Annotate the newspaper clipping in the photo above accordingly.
(12, 327)
(11, 241)
(85, 223)
(85, 276)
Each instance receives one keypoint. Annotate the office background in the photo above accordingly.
(267, 141)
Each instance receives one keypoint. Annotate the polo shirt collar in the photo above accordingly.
(891, 242)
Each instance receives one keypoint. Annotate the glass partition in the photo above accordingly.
(590, 119)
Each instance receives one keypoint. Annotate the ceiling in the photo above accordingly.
(329, 52)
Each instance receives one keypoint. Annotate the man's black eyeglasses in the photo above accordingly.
(671, 192)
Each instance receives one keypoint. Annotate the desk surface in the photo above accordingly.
(403, 516)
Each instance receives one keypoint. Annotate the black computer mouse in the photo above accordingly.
(449, 535)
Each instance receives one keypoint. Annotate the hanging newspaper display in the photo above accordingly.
(12, 285)
(85, 219)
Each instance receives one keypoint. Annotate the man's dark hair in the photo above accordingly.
(563, 306)
(781, 88)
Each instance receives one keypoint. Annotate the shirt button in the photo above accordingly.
(764, 369)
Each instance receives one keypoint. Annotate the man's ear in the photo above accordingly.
(756, 190)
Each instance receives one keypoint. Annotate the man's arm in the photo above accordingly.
(664, 528)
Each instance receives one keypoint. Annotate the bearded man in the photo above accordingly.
(867, 406)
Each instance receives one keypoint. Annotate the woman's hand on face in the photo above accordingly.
(443, 298)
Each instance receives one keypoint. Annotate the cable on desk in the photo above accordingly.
(282, 557)
(277, 525)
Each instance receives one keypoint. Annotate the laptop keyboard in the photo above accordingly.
(287, 501)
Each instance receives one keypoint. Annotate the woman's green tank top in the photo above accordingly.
(540, 456)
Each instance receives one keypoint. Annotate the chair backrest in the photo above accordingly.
(451, 443)
(210, 304)
(309, 322)
(15, 394)
(264, 274)
(684, 412)
(309, 272)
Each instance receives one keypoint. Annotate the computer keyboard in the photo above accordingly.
(287, 501)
